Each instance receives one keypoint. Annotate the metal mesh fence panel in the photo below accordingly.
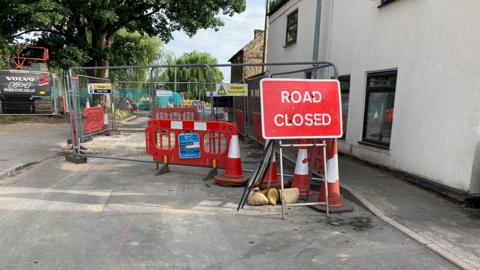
(136, 91)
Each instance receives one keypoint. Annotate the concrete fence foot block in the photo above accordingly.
(211, 174)
(165, 169)
(77, 159)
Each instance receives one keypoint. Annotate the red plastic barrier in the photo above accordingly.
(93, 120)
(240, 120)
(162, 140)
(175, 113)
(257, 127)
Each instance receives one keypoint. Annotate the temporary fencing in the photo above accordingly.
(140, 129)
(132, 103)
(93, 120)
(257, 127)
(175, 113)
(240, 120)
(206, 144)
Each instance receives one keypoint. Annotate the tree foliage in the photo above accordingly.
(134, 49)
(82, 32)
(192, 80)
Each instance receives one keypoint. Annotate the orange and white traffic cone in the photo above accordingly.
(333, 179)
(271, 174)
(225, 114)
(301, 177)
(87, 105)
(233, 175)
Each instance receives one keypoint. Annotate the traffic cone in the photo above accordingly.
(333, 179)
(225, 114)
(271, 174)
(233, 175)
(301, 177)
(87, 105)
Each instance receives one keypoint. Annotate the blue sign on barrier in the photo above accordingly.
(189, 145)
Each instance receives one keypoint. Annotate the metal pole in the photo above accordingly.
(269, 168)
(152, 91)
(74, 112)
(234, 108)
(55, 94)
(281, 180)
(69, 95)
(247, 127)
(316, 37)
(265, 33)
(325, 172)
(211, 92)
(174, 86)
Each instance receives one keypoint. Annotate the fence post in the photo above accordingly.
(152, 91)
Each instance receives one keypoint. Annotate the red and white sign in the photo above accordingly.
(294, 109)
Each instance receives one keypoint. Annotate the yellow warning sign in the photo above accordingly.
(221, 91)
(231, 89)
(99, 88)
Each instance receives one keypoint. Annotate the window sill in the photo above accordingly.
(381, 146)
(386, 3)
(290, 44)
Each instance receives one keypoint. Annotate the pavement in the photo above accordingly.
(119, 215)
(26, 143)
(440, 224)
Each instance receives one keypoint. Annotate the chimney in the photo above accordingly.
(257, 33)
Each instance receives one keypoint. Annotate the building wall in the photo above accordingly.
(434, 46)
(236, 73)
(303, 49)
(252, 53)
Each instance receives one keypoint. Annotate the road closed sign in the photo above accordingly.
(295, 109)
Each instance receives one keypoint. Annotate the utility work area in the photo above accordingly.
(141, 135)
(198, 187)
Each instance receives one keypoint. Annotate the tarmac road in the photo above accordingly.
(23, 143)
(119, 215)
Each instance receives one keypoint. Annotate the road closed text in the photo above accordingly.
(316, 119)
(308, 119)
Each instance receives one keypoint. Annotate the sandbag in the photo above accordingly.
(291, 195)
(257, 198)
(272, 196)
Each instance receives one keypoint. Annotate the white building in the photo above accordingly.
(409, 70)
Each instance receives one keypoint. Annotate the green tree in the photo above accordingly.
(192, 81)
(6, 53)
(130, 49)
(81, 32)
